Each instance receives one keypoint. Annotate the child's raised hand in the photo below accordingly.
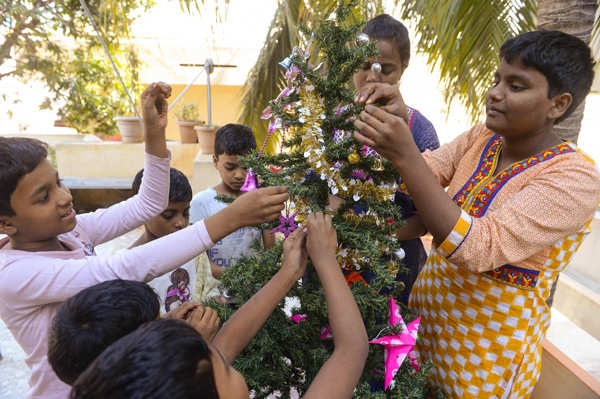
(386, 133)
(259, 206)
(386, 94)
(205, 320)
(321, 240)
(154, 107)
(294, 252)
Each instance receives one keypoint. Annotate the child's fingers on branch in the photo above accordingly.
(365, 134)
(180, 312)
(321, 238)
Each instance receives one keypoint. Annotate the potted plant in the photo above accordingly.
(131, 128)
(187, 118)
(206, 137)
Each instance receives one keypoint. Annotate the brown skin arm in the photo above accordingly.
(268, 239)
(413, 228)
(217, 271)
(390, 136)
(241, 328)
(338, 377)
(256, 207)
(154, 115)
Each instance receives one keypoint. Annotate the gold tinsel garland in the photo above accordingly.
(312, 145)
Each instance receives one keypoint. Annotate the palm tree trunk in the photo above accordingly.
(575, 17)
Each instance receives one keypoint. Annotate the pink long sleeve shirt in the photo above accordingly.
(34, 284)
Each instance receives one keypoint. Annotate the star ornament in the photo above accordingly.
(286, 225)
(399, 345)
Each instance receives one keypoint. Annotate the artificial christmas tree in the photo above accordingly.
(319, 158)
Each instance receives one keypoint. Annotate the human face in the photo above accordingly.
(43, 208)
(392, 66)
(172, 219)
(229, 382)
(517, 104)
(232, 173)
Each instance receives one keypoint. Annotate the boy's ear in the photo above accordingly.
(215, 159)
(560, 104)
(6, 226)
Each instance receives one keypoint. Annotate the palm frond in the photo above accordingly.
(595, 40)
(266, 79)
(462, 38)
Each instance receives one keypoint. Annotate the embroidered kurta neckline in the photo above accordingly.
(483, 185)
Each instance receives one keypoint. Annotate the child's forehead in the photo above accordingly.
(225, 157)
(178, 204)
(516, 67)
(41, 175)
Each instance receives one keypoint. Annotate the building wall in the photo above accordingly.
(226, 105)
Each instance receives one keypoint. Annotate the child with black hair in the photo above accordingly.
(87, 323)
(167, 359)
(231, 141)
(519, 201)
(393, 43)
(178, 286)
(49, 253)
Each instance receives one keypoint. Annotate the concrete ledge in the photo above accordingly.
(578, 302)
(75, 183)
(562, 378)
(205, 174)
(116, 160)
(70, 136)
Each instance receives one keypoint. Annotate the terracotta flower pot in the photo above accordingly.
(187, 132)
(206, 138)
(131, 128)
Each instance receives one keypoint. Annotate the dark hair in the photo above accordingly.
(563, 59)
(179, 189)
(90, 321)
(385, 27)
(234, 139)
(18, 157)
(158, 360)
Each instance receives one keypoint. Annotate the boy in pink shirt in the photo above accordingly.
(49, 253)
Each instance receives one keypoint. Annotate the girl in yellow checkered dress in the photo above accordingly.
(517, 204)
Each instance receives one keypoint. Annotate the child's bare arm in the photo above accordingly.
(154, 114)
(413, 228)
(153, 196)
(216, 270)
(340, 373)
(241, 328)
(268, 239)
(256, 207)
(390, 136)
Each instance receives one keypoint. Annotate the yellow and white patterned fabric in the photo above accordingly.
(482, 292)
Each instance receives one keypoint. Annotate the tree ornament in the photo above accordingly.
(377, 165)
(290, 110)
(250, 184)
(362, 39)
(400, 344)
(287, 224)
(354, 157)
(376, 67)
(286, 63)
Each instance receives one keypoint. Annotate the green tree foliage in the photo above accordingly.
(53, 41)
(286, 355)
(266, 80)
